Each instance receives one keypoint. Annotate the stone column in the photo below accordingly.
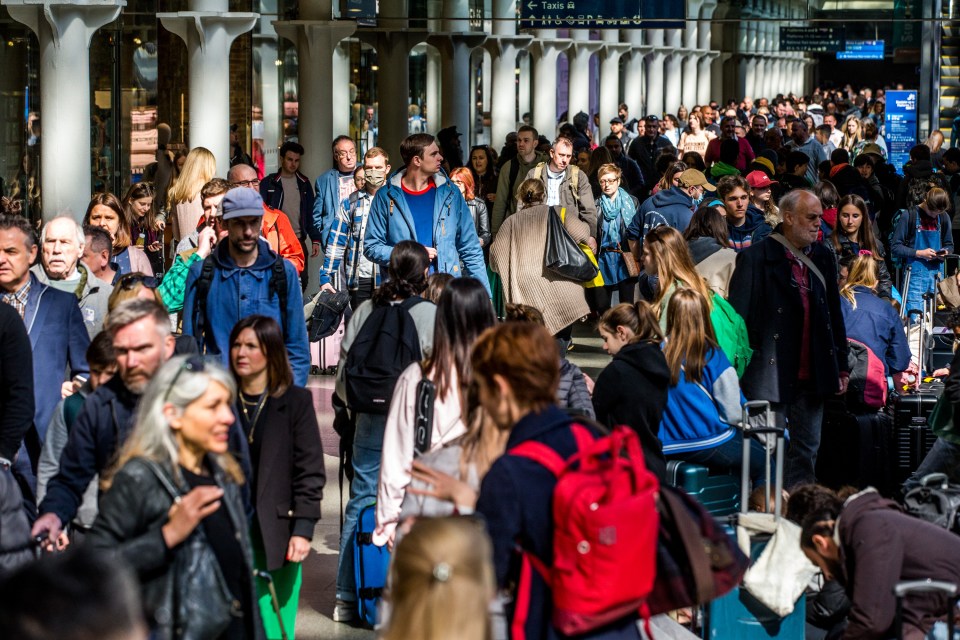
(455, 78)
(503, 88)
(654, 73)
(613, 50)
(578, 55)
(633, 80)
(433, 100)
(208, 30)
(705, 61)
(64, 30)
(673, 72)
(691, 42)
(546, 49)
(316, 42)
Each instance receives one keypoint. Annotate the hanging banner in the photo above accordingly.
(901, 126)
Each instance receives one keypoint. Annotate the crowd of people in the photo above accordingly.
(736, 250)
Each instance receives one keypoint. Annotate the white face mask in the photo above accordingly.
(698, 200)
(375, 177)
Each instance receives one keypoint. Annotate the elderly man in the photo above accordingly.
(61, 245)
(332, 188)
(786, 290)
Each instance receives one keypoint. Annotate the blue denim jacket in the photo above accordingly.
(454, 233)
(238, 292)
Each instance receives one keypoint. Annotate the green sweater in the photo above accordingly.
(174, 285)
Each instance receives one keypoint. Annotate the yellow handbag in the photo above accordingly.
(598, 281)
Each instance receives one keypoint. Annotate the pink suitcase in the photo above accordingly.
(325, 354)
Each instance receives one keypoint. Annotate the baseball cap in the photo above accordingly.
(872, 148)
(695, 178)
(617, 120)
(651, 117)
(241, 202)
(759, 180)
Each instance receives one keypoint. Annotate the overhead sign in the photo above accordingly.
(602, 14)
(812, 39)
(862, 50)
(900, 118)
(363, 11)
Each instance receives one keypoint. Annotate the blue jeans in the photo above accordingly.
(367, 448)
(728, 457)
(944, 457)
(804, 418)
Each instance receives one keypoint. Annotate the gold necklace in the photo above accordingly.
(256, 415)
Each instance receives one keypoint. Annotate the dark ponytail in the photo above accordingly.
(408, 263)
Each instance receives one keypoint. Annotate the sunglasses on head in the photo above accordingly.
(131, 280)
(193, 364)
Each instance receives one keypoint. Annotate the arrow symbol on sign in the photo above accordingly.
(531, 6)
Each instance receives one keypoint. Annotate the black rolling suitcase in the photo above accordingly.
(912, 437)
(855, 450)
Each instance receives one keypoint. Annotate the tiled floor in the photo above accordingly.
(320, 569)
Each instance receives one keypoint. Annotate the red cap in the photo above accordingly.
(759, 180)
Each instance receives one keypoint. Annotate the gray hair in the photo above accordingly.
(152, 436)
(135, 310)
(77, 230)
(790, 202)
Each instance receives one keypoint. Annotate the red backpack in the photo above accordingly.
(605, 529)
(868, 378)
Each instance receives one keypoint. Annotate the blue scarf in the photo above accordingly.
(623, 206)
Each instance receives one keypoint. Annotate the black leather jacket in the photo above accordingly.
(132, 514)
(478, 209)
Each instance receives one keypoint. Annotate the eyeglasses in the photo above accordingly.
(609, 180)
(193, 364)
(131, 280)
(344, 154)
(247, 183)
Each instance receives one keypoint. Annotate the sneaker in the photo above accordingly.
(344, 611)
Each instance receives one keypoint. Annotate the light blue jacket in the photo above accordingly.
(702, 415)
(236, 293)
(454, 233)
(326, 205)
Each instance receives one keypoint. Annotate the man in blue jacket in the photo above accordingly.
(333, 187)
(672, 207)
(53, 319)
(242, 277)
(419, 203)
(142, 342)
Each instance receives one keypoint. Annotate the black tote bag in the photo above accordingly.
(563, 255)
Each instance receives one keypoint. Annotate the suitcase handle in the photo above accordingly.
(932, 478)
(769, 428)
(907, 587)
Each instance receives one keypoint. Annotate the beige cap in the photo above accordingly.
(695, 178)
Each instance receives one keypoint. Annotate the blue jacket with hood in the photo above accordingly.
(454, 233)
(753, 230)
(236, 293)
(671, 207)
(702, 415)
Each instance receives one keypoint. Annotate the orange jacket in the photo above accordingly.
(278, 232)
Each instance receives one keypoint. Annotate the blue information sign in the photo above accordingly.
(901, 126)
(602, 14)
(862, 50)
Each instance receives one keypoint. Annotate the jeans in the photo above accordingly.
(940, 631)
(804, 418)
(728, 457)
(367, 448)
(944, 457)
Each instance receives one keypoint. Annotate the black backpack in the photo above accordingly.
(385, 345)
(936, 501)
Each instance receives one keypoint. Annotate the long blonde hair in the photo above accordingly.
(848, 140)
(690, 335)
(152, 438)
(674, 264)
(861, 272)
(442, 582)
(199, 167)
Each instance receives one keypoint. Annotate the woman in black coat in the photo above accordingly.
(280, 424)
(171, 508)
(632, 389)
